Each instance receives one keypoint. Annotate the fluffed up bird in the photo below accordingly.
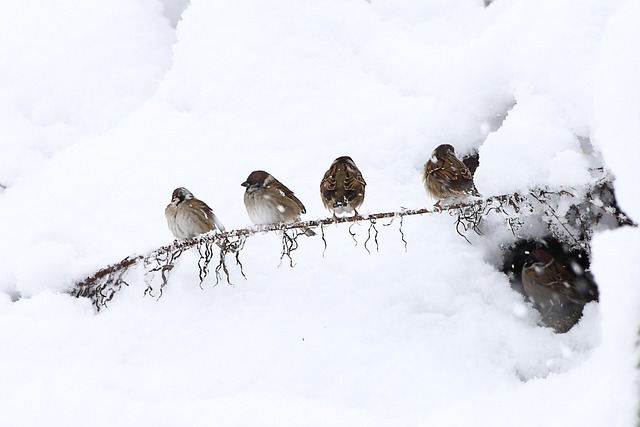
(268, 201)
(446, 177)
(188, 217)
(557, 291)
(342, 187)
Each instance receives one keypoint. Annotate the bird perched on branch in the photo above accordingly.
(188, 217)
(557, 291)
(268, 201)
(342, 187)
(446, 177)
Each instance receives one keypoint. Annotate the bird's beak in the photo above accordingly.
(245, 184)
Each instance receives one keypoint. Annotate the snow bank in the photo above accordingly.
(107, 114)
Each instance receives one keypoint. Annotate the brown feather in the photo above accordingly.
(342, 188)
(445, 176)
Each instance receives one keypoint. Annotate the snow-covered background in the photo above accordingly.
(107, 106)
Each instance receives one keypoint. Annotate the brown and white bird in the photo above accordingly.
(446, 177)
(268, 201)
(342, 187)
(557, 291)
(188, 217)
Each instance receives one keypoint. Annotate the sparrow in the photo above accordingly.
(268, 201)
(558, 292)
(187, 216)
(446, 177)
(342, 187)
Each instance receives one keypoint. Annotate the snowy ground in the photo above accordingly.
(107, 106)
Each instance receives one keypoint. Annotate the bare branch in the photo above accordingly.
(575, 228)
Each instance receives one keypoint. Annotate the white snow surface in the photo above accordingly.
(107, 106)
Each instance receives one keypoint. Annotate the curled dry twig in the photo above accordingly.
(232, 244)
(469, 217)
(542, 196)
(104, 284)
(162, 261)
(324, 240)
(372, 226)
(289, 244)
(402, 234)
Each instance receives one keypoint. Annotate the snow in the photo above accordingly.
(109, 106)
